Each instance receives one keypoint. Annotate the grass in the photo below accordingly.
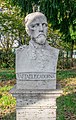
(64, 74)
(66, 107)
(66, 104)
(7, 102)
(10, 116)
(7, 74)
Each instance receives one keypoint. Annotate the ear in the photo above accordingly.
(28, 31)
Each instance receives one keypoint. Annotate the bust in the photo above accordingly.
(38, 56)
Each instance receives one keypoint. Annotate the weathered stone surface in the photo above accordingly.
(36, 114)
(32, 59)
(31, 93)
(36, 80)
(35, 104)
(34, 84)
(36, 76)
(38, 60)
(36, 64)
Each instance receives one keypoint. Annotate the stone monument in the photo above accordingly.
(36, 63)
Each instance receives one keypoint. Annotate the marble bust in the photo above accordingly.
(38, 56)
(36, 63)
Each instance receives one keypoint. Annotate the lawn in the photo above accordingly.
(66, 104)
(7, 74)
(7, 102)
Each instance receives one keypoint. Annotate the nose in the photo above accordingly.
(40, 28)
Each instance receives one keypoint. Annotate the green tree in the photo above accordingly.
(11, 29)
(60, 13)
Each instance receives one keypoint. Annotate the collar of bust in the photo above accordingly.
(36, 45)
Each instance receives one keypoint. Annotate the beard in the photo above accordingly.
(41, 39)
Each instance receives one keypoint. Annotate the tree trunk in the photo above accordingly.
(63, 60)
(72, 46)
(67, 60)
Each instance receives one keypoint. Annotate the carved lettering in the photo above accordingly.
(35, 76)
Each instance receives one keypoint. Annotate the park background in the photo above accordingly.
(61, 16)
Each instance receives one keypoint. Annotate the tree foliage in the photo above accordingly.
(11, 26)
(11, 29)
(61, 15)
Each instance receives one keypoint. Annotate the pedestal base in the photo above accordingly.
(36, 114)
(36, 104)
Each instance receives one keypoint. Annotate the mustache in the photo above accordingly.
(41, 34)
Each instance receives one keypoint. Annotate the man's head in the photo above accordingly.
(36, 27)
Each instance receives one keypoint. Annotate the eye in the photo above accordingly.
(44, 24)
(37, 24)
(32, 26)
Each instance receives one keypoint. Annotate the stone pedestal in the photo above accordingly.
(35, 104)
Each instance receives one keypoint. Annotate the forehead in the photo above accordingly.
(39, 20)
(35, 17)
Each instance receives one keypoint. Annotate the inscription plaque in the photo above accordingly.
(35, 76)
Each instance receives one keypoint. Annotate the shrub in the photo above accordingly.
(7, 59)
